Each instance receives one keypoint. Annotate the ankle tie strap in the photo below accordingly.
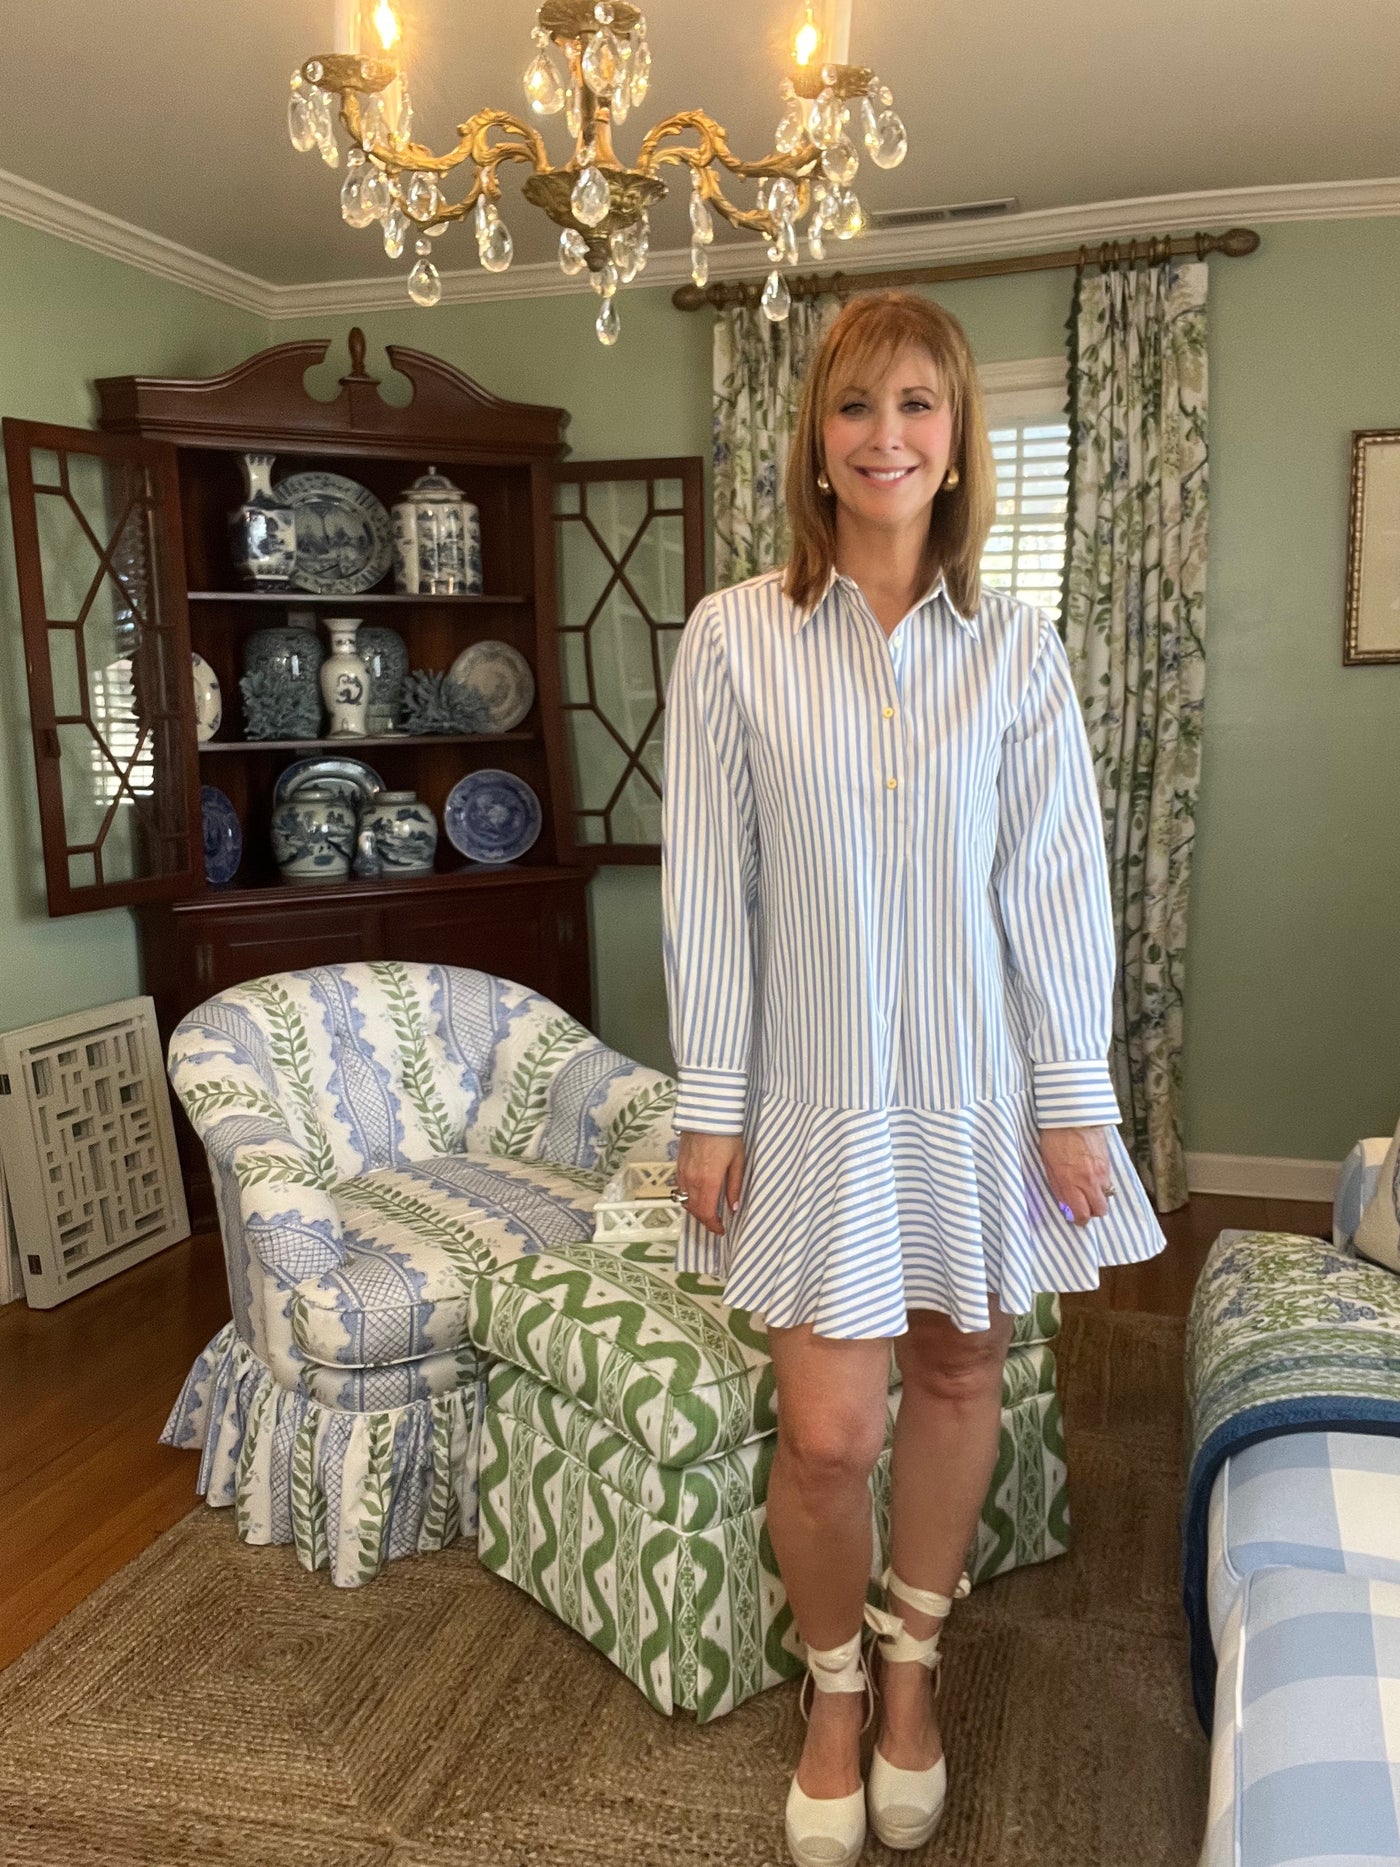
(896, 1643)
(840, 1669)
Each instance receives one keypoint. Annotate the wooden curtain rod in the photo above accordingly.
(1235, 244)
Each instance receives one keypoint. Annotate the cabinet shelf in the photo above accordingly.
(300, 598)
(262, 892)
(348, 744)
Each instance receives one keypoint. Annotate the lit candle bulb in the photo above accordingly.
(805, 45)
(386, 25)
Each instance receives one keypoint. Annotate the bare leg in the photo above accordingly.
(831, 1427)
(945, 1448)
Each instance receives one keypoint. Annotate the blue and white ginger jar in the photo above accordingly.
(263, 530)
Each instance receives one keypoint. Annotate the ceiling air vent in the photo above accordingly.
(934, 216)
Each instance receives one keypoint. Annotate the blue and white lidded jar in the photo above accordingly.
(262, 531)
(313, 834)
(398, 836)
(437, 539)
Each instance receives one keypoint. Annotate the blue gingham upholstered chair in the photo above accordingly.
(379, 1136)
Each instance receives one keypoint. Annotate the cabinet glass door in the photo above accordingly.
(629, 568)
(97, 558)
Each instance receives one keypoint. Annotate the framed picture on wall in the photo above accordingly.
(1372, 630)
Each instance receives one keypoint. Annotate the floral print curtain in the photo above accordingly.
(759, 371)
(1135, 629)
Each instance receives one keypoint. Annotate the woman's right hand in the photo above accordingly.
(710, 1171)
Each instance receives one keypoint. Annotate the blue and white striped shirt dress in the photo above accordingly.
(889, 955)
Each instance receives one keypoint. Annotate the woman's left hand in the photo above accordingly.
(1077, 1166)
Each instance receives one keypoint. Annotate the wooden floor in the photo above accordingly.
(85, 1389)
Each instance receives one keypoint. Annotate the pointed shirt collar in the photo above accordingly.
(937, 591)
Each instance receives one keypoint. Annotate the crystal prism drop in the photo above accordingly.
(816, 246)
(621, 100)
(608, 325)
(395, 232)
(496, 247)
(353, 209)
(825, 119)
(892, 145)
(424, 283)
(573, 251)
(777, 299)
(378, 195)
(699, 266)
(604, 280)
(850, 217)
(573, 110)
(299, 125)
(840, 161)
(602, 60)
(782, 198)
(702, 226)
(318, 106)
(330, 153)
(787, 243)
(869, 123)
(542, 86)
(591, 199)
(371, 120)
(422, 198)
(639, 71)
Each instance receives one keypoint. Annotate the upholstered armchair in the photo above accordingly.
(380, 1137)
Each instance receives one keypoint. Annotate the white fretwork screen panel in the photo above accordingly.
(89, 1147)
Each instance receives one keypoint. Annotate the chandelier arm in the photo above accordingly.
(714, 148)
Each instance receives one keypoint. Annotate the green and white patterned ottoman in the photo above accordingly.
(629, 1428)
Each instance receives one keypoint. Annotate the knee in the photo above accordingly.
(959, 1375)
(830, 1455)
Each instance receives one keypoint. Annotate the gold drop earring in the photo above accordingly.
(823, 482)
(951, 477)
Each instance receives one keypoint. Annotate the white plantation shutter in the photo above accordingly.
(1025, 554)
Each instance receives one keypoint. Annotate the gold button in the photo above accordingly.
(891, 783)
(889, 713)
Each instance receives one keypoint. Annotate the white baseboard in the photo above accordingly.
(1262, 1176)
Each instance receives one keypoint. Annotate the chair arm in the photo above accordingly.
(287, 1216)
(1356, 1186)
(636, 1117)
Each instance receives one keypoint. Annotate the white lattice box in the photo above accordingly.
(639, 1203)
(88, 1147)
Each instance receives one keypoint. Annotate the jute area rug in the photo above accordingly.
(214, 1704)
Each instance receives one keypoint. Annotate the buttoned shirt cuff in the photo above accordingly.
(1075, 1095)
(711, 1101)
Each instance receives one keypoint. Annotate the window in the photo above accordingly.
(1025, 553)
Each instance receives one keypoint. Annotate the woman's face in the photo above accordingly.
(887, 443)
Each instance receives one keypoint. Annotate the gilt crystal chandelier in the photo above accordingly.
(592, 62)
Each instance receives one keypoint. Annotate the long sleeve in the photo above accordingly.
(1052, 890)
(709, 872)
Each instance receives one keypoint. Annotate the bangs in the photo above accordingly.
(866, 350)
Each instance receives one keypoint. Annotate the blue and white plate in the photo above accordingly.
(223, 836)
(492, 816)
(355, 781)
(500, 675)
(208, 699)
(345, 541)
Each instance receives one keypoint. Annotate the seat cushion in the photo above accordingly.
(654, 1351)
(1328, 1501)
(1305, 1756)
(416, 1237)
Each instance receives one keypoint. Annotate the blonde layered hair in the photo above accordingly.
(862, 342)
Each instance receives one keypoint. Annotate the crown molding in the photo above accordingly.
(33, 206)
(1002, 237)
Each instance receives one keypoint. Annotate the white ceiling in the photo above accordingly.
(170, 114)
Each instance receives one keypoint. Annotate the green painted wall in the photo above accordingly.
(68, 316)
(1292, 1034)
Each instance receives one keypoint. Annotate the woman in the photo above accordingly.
(890, 959)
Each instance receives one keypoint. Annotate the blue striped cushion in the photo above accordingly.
(1327, 1501)
(1305, 1757)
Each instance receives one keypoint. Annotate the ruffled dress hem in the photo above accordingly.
(849, 1218)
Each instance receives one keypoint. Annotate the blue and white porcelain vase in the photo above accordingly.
(398, 836)
(386, 659)
(345, 680)
(292, 656)
(263, 530)
(313, 835)
(437, 539)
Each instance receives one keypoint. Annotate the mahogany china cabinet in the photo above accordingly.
(124, 568)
